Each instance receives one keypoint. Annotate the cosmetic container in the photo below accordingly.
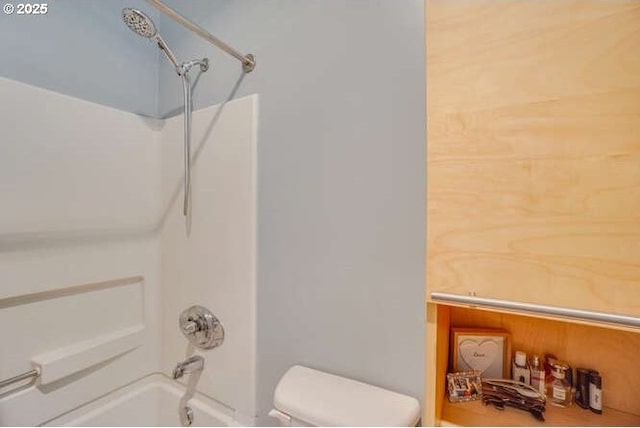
(520, 369)
(559, 392)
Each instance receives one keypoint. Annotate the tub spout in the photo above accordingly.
(190, 365)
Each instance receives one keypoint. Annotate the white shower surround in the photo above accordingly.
(86, 189)
(215, 266)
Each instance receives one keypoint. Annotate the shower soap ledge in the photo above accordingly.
(62, 362)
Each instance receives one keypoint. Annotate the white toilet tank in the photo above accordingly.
(308, 397)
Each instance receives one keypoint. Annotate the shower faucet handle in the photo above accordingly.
(201, 327)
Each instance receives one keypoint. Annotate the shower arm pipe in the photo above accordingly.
(248, 61)
(167, 53)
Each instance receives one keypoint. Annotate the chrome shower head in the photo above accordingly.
(139, 23)
(143, 26)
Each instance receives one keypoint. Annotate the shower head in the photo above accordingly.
(143, 26)
(139, 23)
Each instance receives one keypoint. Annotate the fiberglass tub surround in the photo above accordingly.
(119, 288)
(97, 327)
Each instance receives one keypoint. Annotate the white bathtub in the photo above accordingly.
(151, 401)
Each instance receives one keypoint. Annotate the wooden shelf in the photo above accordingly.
(476, 414)
(609, 351)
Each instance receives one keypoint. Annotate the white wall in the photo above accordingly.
(215, 266)
(79, 188)
(341, 184)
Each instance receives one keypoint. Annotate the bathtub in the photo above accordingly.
(150, 401)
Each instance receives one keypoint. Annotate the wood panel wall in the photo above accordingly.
(533, 124)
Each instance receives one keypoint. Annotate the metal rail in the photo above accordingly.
(535, 309)
(30, 374)
(248, 61)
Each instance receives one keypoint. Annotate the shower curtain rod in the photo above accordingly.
(248, 61)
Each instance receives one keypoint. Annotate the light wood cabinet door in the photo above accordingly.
(533, 151)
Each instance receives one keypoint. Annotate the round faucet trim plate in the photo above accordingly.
(201, 327)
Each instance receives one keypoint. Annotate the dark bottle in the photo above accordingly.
(595, 392)
(582, 387)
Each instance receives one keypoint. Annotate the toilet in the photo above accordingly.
(308, 397)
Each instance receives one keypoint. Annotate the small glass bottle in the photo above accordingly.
(538, 376)
(559, 393)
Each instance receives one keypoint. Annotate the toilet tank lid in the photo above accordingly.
(323, 399)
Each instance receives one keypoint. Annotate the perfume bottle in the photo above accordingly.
(538, 375)
(549, 360)
(520, 369)
(559, 392)
(595, 392)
